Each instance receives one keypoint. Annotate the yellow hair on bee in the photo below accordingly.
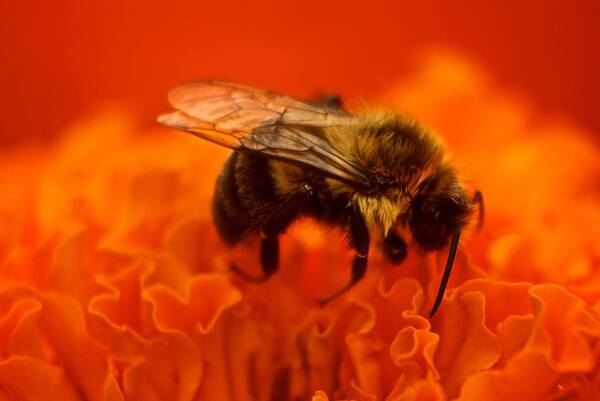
(380, 211)
(378, 138)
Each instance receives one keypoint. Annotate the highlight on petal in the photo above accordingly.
(63, 324)
(208, 297)
(527, 377)
(419, 390)
(413, 350)
(320, 396)
(170, 367)
(568, 325)
(125, 307)
(466, 345)
(18, 334)
(27, 378)
(557, 337)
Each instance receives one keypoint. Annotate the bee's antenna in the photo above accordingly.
(447, 271)
(477, 199)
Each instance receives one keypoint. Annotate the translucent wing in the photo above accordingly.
(242, 117)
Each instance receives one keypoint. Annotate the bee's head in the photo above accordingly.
(437, 218)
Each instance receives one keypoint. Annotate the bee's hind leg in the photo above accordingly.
(283, 215)
(269, 261)
(359, 241)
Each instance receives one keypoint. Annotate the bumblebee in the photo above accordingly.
(369, 173)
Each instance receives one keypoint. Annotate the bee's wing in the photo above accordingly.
(242, 117)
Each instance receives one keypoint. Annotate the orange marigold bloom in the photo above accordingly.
(114, 284)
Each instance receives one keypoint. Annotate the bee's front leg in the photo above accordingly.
(394, 248)
(477, 200)
(359, 241)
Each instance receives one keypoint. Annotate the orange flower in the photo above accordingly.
(114, 284)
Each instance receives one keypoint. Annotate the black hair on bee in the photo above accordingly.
(366, 173)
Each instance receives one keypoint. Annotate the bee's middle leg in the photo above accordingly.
(359, 241)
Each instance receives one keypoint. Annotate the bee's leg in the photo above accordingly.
(269, 261)
(359, 241)
(285, 214)
(394, 248)
(478, 200)
(331, 102)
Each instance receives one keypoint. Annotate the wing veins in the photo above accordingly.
(325, 149)
(242, 117)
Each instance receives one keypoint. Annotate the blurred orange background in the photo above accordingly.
(60, 59)
(107, 249)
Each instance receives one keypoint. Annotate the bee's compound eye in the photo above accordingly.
(432, 222)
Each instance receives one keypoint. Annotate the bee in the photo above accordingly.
(370, 173)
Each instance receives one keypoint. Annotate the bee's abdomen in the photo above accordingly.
(244, 194)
